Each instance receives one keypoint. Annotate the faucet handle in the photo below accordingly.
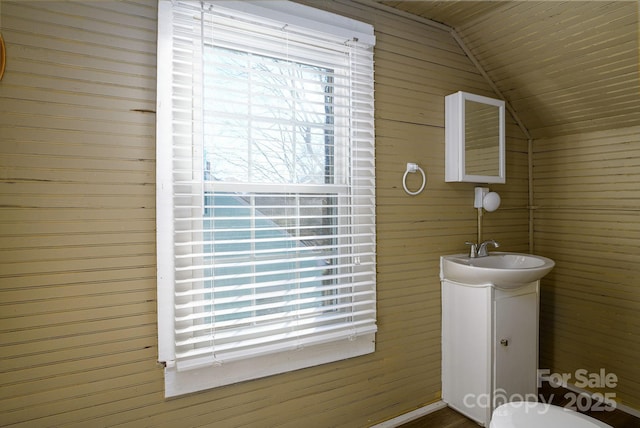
(473, 250)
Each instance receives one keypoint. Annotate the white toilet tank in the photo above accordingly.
(521, 414)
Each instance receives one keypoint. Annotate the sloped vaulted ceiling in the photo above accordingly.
(564, 67)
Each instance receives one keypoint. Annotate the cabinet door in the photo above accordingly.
(515, 347)
(466, 347)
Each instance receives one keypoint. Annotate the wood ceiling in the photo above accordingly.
(564, 67)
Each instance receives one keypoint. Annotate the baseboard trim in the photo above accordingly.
(571, 387)
(413, 415)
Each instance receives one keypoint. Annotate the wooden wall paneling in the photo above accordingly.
(586, 219)
(77, 228)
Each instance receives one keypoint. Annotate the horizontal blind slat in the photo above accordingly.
(205, 356)
(294, 319)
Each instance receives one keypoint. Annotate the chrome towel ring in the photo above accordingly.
(413, 167)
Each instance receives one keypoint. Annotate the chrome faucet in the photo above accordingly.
(482, 249)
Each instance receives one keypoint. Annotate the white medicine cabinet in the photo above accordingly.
(475, 139)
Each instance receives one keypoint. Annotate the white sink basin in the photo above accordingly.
(504, 270)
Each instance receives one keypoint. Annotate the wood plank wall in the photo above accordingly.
(588, 220)
(77, 254)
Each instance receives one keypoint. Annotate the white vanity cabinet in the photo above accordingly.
(489, 346)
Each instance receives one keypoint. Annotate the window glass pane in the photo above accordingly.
(268, 120)
(282, 249)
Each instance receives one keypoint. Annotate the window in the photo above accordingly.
(265, 191)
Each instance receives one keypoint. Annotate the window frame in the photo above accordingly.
(199, 377)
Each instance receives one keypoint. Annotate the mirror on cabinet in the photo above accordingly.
(475, 139)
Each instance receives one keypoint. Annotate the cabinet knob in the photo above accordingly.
(504, 342)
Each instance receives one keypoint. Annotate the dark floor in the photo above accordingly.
(448, 418)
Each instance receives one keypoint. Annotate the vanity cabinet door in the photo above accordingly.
(466, 349)
(515, 345)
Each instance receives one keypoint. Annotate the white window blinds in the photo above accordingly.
(266, 190)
